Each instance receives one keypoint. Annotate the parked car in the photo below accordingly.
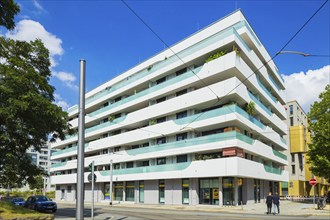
(40, 203)
(18, 201)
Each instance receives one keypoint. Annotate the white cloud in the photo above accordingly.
(61, 102)
(306, 87)
(29, 30)
(67, 78)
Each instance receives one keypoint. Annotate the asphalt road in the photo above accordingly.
(68, 211)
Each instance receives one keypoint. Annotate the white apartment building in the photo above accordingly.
(177, 129)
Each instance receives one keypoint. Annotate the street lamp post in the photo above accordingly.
(110, 186)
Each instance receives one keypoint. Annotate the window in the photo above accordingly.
(116, 166)
(291, 121)
(116, 149)
(129, 191)
(185, 191)
(145, 144)
(293, 168)
(161, 161)
(180, 72)
(161, 80)
(105, 151)
(160, 120)
(291, 109)
(182, 92)
(135, 146)
(161, 140)
(118, 99)
(181, 115)
(106, 104)
(129, 164)
(181, 158)
(141, 191)
(161, 190)
(145, 163)
(180, 137)
(69, 189)
(161, 100)
(292, 158)
(300, 160)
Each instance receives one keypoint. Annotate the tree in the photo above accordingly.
(8, 9)
(28, 116)
(319, 149)
(38, 184)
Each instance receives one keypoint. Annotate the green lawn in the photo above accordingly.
(10, 211)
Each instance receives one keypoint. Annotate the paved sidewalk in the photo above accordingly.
(286, 208)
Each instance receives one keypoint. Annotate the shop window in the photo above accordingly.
(118, 191)
(185, 191)
(228, 190)
(129, 191)
(161, 191)
(141, 191)
(209, 191)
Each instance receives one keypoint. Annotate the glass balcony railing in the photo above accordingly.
(192, 142)
(273, 170)
(260, 104)
(170, 60)
(218, 112)
(273, 81)
(148, 169)
(266, 90)
(283, 140)
(280, 155)
(70, 149)
(58, 164)
(148, 91)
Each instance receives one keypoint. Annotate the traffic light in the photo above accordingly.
(91, 166)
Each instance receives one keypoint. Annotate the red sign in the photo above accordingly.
(312, 182)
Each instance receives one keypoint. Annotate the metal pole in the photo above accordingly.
(44, 178)
(92, 190)
(110, 186)
(314, 197)
(81, 144)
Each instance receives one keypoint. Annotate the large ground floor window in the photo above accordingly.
(257, 191)
(185, 191)
(209, 191)
(106, 191)
(141, 191)
(228, 190)
(161, 191)
(118, 191)
(129, 191)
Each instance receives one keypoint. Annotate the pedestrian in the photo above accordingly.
(276, 201)
(269, 201)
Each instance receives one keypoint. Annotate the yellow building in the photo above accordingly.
(298, 138)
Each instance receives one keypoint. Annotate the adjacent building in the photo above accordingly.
(201, 126)
(42, 159)
(299, 137)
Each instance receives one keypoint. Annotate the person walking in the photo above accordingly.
(269, 202)
(276, 201)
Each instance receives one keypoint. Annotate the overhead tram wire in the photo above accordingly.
(174, 53)
(264, 64)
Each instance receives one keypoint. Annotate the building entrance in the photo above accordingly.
(209, 191)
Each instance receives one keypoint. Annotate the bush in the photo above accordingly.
(215, 56)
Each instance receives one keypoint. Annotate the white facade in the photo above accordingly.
(178, 133)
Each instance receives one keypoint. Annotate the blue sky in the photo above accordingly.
(111, 39)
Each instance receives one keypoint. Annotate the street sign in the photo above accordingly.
(90, 178)
(312, 182)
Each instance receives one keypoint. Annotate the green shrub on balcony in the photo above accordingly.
(251, 108)
(216, 55)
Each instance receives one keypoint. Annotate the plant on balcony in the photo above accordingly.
(216, 55)
(237, 50)
(251, 108)
(111, 118)
(152, 122)
(150, 67)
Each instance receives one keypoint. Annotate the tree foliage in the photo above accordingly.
(319, 149)
(8, 9)
(28, 116)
